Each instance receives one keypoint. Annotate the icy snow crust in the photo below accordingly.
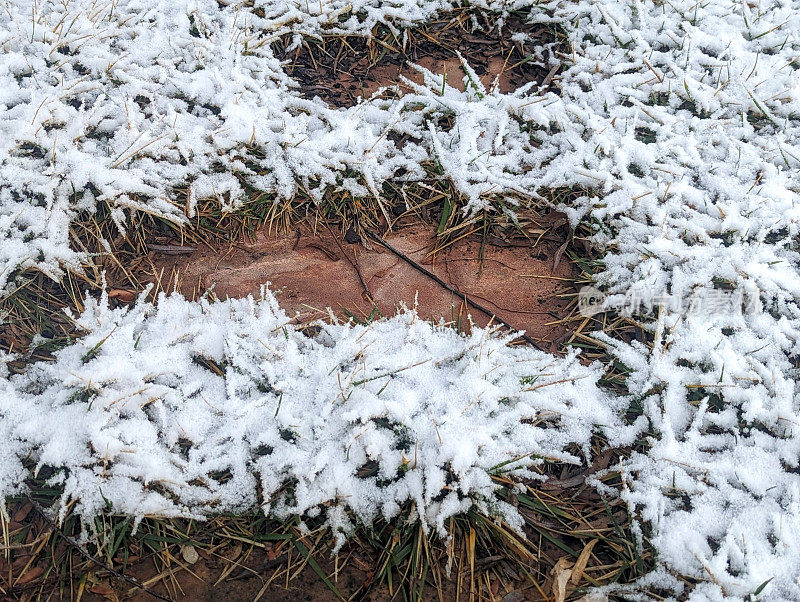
(683, 119)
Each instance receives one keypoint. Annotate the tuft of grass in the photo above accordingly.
(481, 557)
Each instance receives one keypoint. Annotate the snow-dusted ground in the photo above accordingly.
(682, 118)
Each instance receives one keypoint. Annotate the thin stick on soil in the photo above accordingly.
(352, 263)
(442, 283)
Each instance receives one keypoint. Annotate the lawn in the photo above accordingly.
(400, 300)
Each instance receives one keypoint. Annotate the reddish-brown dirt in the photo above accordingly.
(316, 270)
(199, 583)
(312, 272)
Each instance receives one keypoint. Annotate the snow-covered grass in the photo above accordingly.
(159, 402)
(683, 118)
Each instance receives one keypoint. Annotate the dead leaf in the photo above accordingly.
(189, 553)
(29, 575)
(105, 591)
(554, 220)
(602, 460)
(21, 514)
(580, 564)
(20, 561)
(124, 560)
(553, 484)
(561, 574)
(122, 295)
(273, 553)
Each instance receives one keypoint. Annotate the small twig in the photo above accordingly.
(352, 263)
(389, 374)
(76, 546)
(327, 252)
(555, 382)
(443, 284)
(549, 77)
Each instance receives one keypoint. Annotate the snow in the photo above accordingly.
(134, 415)
(682, 122)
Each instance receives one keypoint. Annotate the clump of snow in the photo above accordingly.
(682, 120)
(186, 409)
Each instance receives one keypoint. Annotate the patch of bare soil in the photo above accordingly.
(516, 279)
(340, 70)
(263, 578)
